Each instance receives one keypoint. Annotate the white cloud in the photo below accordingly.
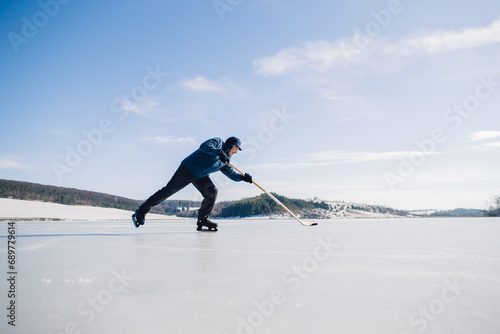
(456, 175)
(483, 135)
(322, 55)
(327, 158)
(223, 87)
(141, 106)
(132, 107)
(188, 141)
(442, 41)
(342, 95)
(317, 55)
(200, 84)
(485, 147)
(11, 164)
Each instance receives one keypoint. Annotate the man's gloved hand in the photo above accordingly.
(223, 157)
(247, 178)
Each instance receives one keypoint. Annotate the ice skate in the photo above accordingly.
(138, 218)
(211, 226)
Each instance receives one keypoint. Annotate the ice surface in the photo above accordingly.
(342, 276)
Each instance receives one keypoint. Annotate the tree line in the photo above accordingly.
(255, 206)
(263, 205)
(494, 209)
(67, 196)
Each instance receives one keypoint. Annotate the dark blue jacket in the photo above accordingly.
(205, 161)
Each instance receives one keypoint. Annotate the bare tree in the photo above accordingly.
(494, 210)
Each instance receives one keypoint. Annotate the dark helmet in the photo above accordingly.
(231, 141)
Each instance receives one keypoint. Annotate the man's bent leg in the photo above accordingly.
(181, 178)
(209, 191)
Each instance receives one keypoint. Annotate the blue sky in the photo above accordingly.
(382, 102)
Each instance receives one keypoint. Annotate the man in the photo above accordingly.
(212, 156)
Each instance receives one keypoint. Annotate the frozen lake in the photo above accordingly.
(265, 276)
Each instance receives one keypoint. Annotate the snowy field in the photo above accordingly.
(385, 276)
(32, 210)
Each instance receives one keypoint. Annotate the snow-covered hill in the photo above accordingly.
(341, 209)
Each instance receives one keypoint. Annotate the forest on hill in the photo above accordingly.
(264, 205)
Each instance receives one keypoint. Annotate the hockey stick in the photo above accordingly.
(275, 199)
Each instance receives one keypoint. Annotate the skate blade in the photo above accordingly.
(200, 229)
(134, 220)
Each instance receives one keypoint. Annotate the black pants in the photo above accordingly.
(182, 177)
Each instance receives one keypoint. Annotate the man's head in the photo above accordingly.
(232, 145)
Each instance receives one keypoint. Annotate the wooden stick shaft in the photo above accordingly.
(269, 194)
(278, 201)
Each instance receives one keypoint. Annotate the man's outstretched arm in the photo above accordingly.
(235, 176)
